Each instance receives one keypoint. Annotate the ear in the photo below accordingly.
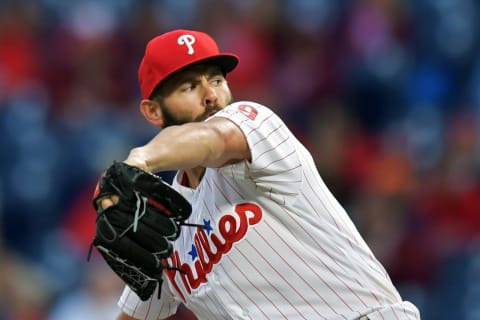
(152, 112)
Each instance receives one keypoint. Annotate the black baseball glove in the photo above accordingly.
(134, 236)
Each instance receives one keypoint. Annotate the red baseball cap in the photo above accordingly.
(175, 50)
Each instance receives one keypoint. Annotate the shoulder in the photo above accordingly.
(247, 111)
(248, 108)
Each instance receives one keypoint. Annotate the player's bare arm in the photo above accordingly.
(213, 143)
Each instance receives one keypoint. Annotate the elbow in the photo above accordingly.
(228, 146)
(216, 149)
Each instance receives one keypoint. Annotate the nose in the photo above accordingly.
(209, 95)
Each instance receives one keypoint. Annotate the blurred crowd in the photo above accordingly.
(385, 93)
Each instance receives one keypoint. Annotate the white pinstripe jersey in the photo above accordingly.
(275, 243)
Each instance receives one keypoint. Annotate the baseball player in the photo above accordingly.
(272, 242)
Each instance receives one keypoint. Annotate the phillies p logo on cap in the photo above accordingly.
(188, 40)
(172, 51)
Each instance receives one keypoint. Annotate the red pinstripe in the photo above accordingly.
(285, 279)
(326, 253)
(263, 293)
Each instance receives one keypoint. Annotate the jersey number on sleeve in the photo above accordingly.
(248, 111)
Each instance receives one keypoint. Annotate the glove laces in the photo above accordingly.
(141, 206)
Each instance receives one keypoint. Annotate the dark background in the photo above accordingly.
(384, 93)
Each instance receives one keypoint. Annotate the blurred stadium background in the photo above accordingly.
(385, 93)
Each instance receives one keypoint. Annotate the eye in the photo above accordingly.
(216, 81)
(187, 87)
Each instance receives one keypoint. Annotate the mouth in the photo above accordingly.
(204, 116)
(212, 112)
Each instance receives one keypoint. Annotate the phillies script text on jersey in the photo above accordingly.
(211, 247)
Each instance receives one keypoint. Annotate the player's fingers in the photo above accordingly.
(108, 201)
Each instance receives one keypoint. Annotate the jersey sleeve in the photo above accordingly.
(275, 164)
(152, 309)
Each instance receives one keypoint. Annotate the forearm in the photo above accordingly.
(181, 147)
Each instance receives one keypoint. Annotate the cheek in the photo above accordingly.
(188, 109)
(226, 95)
(182, 104)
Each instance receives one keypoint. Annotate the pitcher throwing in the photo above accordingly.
(265, 239)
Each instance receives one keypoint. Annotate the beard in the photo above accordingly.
(169, 119)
